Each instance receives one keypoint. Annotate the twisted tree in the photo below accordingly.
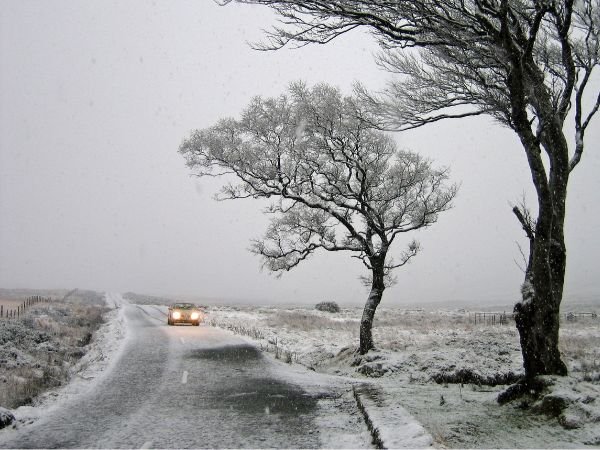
(339, 184)
(526, 63)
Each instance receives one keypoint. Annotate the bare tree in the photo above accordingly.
(339, 184)
(527, 63)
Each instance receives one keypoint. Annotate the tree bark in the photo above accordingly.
(375, 295)
(537, 316)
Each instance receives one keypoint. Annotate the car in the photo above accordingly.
(185, 313)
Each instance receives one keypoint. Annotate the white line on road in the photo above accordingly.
(184, 377)
(146, 444)
(182, 340)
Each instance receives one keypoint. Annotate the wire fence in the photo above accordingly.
(14, 312)
(492, 318)
(503, 318)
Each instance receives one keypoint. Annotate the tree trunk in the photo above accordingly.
(366, 322)
(537, 316)
(538, 320)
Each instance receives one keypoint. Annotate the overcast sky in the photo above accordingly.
(95, 99)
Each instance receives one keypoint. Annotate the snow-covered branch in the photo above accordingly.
(340, 183)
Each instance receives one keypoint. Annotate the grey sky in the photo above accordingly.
(95, 99)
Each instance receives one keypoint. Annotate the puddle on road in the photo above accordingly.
(267, 396)
(228, 354)
(250, 392)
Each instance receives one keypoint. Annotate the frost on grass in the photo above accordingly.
(444, 347)
(567, 402)
(423, 356)
(574, 403)
(37, 349)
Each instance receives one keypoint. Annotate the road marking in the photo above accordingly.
(182, 340)
(146, 444)
(184, 377)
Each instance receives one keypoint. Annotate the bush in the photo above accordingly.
(331, 307)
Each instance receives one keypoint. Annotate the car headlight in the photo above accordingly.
(195, 316)
(176, 315)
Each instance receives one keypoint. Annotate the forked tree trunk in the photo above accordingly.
(537, 316)
(366, 322)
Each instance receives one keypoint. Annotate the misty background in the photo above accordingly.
(95, 98)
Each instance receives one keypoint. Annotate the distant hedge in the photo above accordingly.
(331, 307)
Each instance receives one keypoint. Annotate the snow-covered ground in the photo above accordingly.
(410, 388)
(100, 354)
(442, 368)
(339, 422)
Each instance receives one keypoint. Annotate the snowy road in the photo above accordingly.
(181, 387)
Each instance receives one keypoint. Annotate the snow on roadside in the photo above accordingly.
(396, 427)
(440, 366)
(102, 353)
(339, 423)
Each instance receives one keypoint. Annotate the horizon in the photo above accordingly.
(97, 99)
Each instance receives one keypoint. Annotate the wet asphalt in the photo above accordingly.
(180, 387)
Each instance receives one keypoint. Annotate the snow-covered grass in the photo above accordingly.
(442, 367)
(83, 374)
(437, 366)
(38, 349)
(579, 343)
(442, 345)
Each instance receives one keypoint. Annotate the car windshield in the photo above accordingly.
(184, 306)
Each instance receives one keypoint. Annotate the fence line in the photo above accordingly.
(492, 318)
(502, 318)
(580, 315)
(15, 313)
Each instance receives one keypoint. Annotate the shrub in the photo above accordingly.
(331, 307)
